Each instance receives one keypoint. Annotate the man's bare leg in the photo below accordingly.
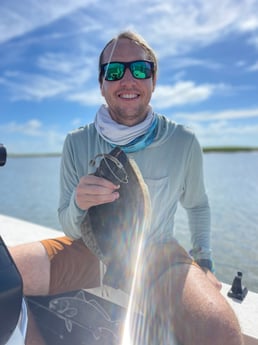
(33, 263)
(197, 312)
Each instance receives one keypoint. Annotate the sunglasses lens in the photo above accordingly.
(114, 71)
(141, 69)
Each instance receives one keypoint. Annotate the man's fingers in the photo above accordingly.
(93, 190)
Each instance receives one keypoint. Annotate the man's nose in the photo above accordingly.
(127, 76)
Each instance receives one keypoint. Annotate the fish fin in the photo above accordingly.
(80, 295)
(68, 325)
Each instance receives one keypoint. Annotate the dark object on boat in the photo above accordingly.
(3, 155)
(238, 291)
(10, 294)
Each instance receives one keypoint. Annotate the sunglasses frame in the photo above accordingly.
(126, 65)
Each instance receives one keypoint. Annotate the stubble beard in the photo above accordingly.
(129, 117)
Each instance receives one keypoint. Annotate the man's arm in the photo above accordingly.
(195, 201)
(79, 191)
(70, 215)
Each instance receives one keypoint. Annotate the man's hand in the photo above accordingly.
(93, 190)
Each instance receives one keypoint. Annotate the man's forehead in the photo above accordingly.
(121, 48)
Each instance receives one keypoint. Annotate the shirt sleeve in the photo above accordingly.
(70, 215)
(195, 201)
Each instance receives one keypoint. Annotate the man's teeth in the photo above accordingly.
(129, 96)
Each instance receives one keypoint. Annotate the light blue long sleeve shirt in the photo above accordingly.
(171, 167)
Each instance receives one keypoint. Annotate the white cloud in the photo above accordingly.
(250, 23)
(61, 60)
(62, 77)
(231, 114)
(31, 136)
(58, 63)
(89, 97)
(31, 128)
(203, 21)
(225, 127)
(54, 74)
(183, 92)
(65, 74)
(33, 86)
(77, 122)
(18, 18)
(183, 62)
(224, 132)
(78, 68)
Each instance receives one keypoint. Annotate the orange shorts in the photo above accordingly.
(160, 257)
(73, 266)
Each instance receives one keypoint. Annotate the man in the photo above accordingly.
(184, 295)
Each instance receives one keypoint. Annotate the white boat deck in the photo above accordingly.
(15, 231)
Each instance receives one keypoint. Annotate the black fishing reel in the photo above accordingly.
(3, 155)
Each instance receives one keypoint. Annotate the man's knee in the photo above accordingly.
(196, 310)
(220, 326)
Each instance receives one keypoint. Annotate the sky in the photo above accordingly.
(208, 66)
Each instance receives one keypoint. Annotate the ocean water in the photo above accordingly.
(30, 188)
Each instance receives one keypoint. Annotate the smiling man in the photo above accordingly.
(127, 99)
(178, 292)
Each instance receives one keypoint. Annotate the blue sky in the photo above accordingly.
(208, 66)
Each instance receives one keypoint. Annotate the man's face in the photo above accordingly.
(128, 98)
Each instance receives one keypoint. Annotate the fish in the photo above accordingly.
(113, 231)
(88, 314)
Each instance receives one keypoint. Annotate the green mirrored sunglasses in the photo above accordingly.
(115, 70)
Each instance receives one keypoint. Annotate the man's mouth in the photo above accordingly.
(128, 95)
